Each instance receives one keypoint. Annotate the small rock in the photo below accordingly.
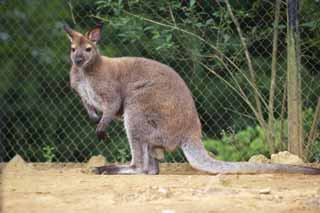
(259, 159)
(168, 211)
(164, 191)
(286, 158)
(265, 191)
(96, 161)
(17, 164)
(313, 203)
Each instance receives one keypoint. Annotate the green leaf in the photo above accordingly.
(192, 2)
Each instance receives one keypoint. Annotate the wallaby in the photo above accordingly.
(157, 106)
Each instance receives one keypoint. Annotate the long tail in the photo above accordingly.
(200, 160)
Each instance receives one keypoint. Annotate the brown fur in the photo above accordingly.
(157, 106)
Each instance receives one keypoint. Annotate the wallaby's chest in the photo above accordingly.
(87, 92)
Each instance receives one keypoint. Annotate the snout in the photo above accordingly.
(79, 60)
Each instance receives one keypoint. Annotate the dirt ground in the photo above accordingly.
(69, 188)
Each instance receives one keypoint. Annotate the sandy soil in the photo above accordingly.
(68, 188)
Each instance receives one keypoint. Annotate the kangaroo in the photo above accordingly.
(157, 107)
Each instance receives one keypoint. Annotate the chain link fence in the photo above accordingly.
(42, 119)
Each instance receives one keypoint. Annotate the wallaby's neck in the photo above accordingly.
(94, 64)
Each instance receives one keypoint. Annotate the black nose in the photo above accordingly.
(78, 61)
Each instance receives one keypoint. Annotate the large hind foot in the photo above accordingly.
(117, 170)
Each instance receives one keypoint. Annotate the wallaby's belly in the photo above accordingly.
(86, 91)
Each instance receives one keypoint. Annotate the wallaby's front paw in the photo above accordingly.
(94, 118)
(101, 134)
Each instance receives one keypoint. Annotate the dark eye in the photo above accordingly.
(73, 49)
(88, 49)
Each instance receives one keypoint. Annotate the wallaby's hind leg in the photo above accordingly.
(136, 165)
(153, 166)
(150, 161)
(141, 163)
(138, 133)
(146, 157)
(144, 165)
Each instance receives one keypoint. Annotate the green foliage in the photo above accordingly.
(238, 146)
(314, 155)
(241, 145)
(123, 156)
(49, 153)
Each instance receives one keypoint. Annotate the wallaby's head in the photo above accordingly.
(83, 47)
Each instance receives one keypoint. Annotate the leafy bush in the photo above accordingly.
(314, 151)
(238, 146)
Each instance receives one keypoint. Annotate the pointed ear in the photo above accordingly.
(94, 34)
(69, 32)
